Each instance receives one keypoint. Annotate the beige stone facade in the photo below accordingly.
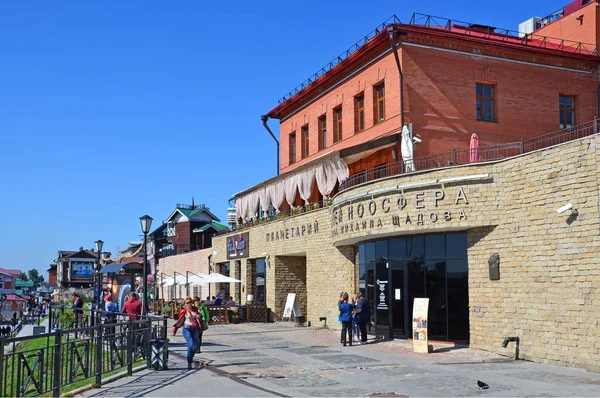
(548, 293)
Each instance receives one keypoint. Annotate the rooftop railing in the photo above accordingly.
(484, 154)
(466, 28)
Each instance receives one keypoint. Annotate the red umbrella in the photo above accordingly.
(474, 148)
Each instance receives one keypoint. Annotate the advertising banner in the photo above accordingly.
(237, 246)
(419, 325)
(82, 270)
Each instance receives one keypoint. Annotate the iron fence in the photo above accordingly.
(70, 357)
(468, 156)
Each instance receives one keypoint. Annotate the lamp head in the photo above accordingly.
(99, 245)
(146, 223)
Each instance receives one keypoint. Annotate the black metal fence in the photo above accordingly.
(74, 354)
(466, 156)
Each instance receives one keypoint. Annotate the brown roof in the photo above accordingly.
(13, 272)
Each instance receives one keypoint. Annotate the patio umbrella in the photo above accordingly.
(474, 148)
(406, 147)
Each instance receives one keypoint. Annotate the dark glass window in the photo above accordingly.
(567, 111)
(379, 103)
(337, 124)
(485, 98)
(359, 113)
(456, 245)
(458, 299)
(322, 132)
(435, 246)
(260, 281)
(397, 250)
(305, 141)
(292, 148)
(435, 289)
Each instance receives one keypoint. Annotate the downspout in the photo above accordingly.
(393, 32)
(264, 119)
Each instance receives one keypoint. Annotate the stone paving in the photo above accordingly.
(251, 360)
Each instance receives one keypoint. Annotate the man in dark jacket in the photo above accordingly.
(78, 307)
(364, 316)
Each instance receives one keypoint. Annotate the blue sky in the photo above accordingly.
(114, 109)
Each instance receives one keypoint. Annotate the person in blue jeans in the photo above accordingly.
(355, 328)
(190, 318)
(364, 315)
(346, 314)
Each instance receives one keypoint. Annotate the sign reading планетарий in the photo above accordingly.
(399, 210)
(293, 232)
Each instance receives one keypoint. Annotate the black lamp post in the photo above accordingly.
(146, 223)
(99, 246)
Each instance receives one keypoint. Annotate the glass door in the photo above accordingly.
(398, 302)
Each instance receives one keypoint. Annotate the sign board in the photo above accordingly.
(237, 246)
(419, 325)
(291, 305)
(382, 302)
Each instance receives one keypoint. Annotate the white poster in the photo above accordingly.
(291, 305)
(420, 311)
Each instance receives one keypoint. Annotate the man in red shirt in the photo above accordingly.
(133, 306)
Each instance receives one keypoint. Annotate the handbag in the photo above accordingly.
(203, 325)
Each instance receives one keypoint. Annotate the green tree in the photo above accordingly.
(35, 277)
(24, 276)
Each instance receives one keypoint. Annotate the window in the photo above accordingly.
(322, 132)
(293, 148)
(567, 111)
(1, 282)
(337, 124)
(305, 141)
(379, 103)
(485, 94)
(359, 113)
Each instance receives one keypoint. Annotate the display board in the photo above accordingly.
(419, 325)
(291, 306)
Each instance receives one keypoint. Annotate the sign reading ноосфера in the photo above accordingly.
(400, 210)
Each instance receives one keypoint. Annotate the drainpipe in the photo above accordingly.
(264, 119)
(394, 33)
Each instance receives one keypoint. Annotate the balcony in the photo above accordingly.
(169, 231)
(485, 154)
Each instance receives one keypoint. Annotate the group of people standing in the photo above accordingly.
(354, 317)
(193, 320)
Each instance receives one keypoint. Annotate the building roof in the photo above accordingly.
(12, 272)
(440, 28)
(189, 212)
(214, 225)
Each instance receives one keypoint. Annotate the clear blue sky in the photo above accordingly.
(113, 109)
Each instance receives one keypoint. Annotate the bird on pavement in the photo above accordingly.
(482, 385)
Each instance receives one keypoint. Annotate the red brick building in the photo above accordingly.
(449, 80)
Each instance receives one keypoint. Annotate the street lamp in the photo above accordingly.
(99, 246)
(146, 223)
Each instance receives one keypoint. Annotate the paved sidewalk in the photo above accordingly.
(251, 360)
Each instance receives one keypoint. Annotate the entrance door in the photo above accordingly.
(398, 302)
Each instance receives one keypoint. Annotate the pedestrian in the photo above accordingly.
(340, 301)
(208, 301)
(364, 315)
(133, 307)
(217, 301)
(78, 307)
(203, 311)
(110, 316)
(191, 320)
(346, 314)
(14, 319)
(355, 328)
(167, 309)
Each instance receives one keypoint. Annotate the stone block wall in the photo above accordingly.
(549, 287)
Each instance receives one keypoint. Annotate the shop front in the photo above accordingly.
(393, 272)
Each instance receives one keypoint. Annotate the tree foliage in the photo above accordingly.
(24, 277)
(35, 276)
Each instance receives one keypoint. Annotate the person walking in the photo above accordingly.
(78, 307)
(364, 316)
(355, 328)
(203, 311)
(346, 314)
(191, 320)
(133, 307)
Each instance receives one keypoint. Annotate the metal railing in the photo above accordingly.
(503, 35)
(31, 318)
(484, 154)
(70, 357)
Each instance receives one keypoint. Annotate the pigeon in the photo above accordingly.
(482, 385)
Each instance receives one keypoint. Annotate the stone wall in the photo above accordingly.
(548, 292)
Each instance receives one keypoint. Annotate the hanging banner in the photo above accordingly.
(420, 310)
(237, 246)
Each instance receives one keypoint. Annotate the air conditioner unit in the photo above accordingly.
(530, 26)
